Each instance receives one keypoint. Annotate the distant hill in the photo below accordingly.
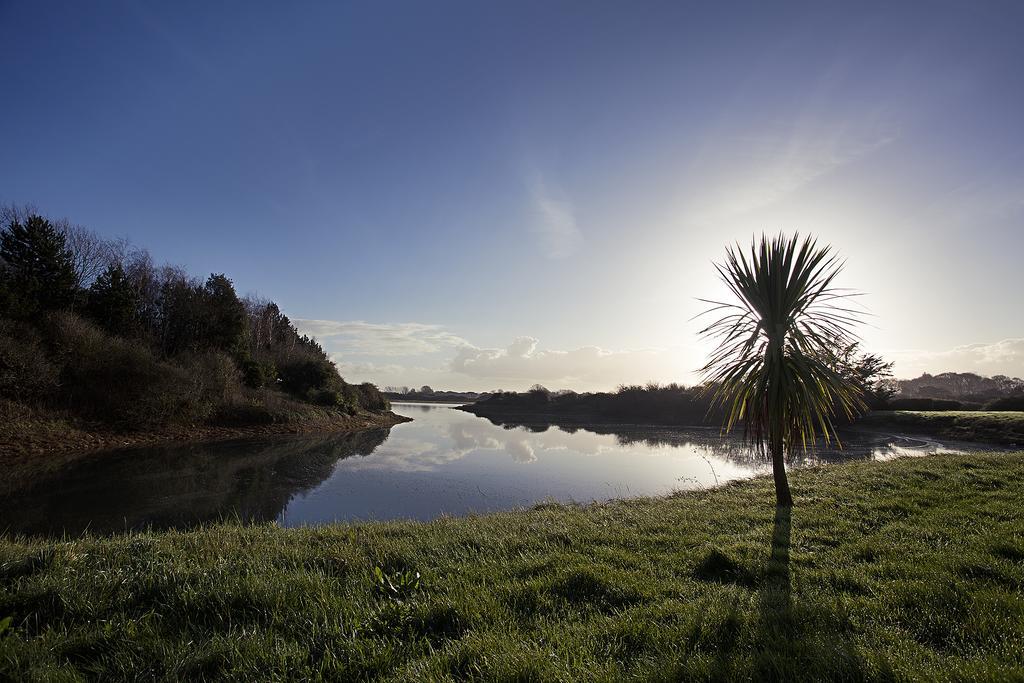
(962, 390)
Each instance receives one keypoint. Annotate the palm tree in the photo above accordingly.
(774, 368)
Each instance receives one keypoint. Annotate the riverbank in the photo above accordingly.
(34, 442)
(871, 577)
(1004, 428)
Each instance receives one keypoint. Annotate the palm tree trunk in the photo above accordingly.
(783, 498)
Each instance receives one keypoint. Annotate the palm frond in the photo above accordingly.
(771, 369)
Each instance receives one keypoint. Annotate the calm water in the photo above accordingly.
(444, 462)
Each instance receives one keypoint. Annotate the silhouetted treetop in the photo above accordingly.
(36, 268)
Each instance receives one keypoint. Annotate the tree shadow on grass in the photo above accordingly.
(774, 640)
(782, 649)
(798, 640)
(776, 588)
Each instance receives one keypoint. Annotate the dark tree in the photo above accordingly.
(36, 268)
(113, 302)
(90, 253)
(869, 372)
(308, 374)
(225, 314)
(539, 394)
(180, 319)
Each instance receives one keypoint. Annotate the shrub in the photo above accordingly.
(924, 404)
(246, 412)
(122, 382)
(351, 398)
(304, 374)
(1006, 403)
(128, 386)
(260, 406)
(370, 397)
(25, 370)
(215, 374)
(326, 397)
(258, 374)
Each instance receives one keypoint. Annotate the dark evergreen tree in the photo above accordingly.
(225, 314)
(36, 268)
(113, 302)
(180, 319)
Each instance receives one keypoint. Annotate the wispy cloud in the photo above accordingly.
(555, 227)
(747, 174)
(999, 199)
(357, 337)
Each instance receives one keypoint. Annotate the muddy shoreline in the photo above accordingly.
(42, 450)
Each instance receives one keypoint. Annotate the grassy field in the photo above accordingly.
(905, 570)
(997, 427)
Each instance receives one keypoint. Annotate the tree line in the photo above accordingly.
(95, 327)
(675, 403)
(961, 391)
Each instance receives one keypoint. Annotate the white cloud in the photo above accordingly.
(436, 356)
(556, 228)
(588, 367)
(366, 369)
(410, 454)
(371, 351)
(357, 337)
(1004, 357)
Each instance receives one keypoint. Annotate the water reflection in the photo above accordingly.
(444, 462)
(179, 486)
(853, 444)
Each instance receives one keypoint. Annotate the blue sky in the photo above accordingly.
(479, 195)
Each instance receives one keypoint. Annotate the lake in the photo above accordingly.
(444, 462)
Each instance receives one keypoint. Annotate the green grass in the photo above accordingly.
(998, 427)
(905, 570)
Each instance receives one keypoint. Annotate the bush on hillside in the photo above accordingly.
(120, 381)
(924, 404)
(1007, 403)
(307, 374)
(25, 370)
(257, 374)
(370, 398)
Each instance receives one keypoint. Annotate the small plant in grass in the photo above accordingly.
(5, 625)
(399, 585)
